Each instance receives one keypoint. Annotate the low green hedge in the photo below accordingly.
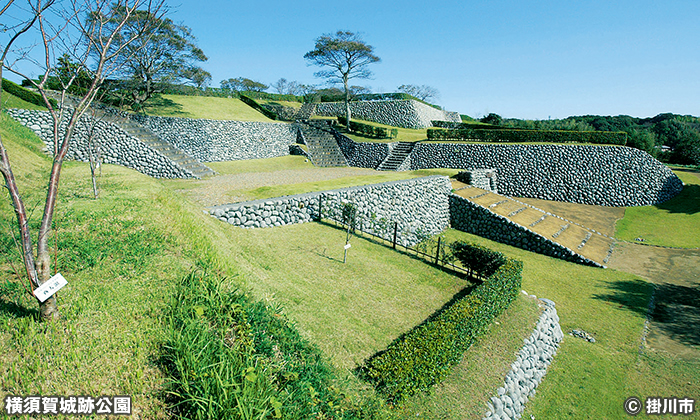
(529, 136)
(25, 94)
(370, 130)
(253, 103)
(424, 356)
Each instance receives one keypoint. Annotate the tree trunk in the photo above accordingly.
(348, 114)
(48, 308)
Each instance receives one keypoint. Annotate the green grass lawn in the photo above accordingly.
(203, 107)
(119, 254)
(11, 101)
(124, 254)
(675, 222)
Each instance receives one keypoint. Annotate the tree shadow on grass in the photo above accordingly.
(676, 310)
(688, 201)
(160, 105)
(10, 302)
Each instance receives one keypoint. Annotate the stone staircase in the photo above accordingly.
(323, 147)
(397, 156)
(584, 241)
(306, 111)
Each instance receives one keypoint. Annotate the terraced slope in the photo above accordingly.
(584, 241)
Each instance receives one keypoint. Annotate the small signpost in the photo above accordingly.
(52, 286)
(345, 257)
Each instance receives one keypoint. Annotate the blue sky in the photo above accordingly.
(520, 59)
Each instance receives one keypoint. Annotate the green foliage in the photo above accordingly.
(66, 70)
(424, 356)
(24, 94)
(528, 136)
(253, 103)
(477, 258)
(243, 84)
(232, 357)
(493, 119)
(369, 130)
(162, 52)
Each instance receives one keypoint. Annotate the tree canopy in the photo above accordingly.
(346, 57)
(166, 53)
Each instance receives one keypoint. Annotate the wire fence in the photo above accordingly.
(434, 249)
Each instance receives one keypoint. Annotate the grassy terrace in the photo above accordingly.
(203, 107)
(673, 223)
(124, 254)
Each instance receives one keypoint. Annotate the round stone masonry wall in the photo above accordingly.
(598, 175)
(214, 140)
(418, 206)
(113, 144)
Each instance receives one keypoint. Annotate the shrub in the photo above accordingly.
(25, 94)
(528, 136)
(369, 130)
(424, 356)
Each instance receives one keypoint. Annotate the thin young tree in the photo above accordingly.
(91, 31)
(347, 57)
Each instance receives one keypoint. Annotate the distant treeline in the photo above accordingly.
(670, 138)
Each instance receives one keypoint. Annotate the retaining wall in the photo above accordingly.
(598, 175)
(420, 207)
(364, 154)
(397, 113)
(213, 140)
(529, 368)
(115, 145)
(472, 218)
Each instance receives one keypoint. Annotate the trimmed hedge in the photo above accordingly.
(25, 94)
(424, 356)
(528, 136)
(370, 130)
(250, 101)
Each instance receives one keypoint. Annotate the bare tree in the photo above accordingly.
(91, 32)
(347, 57)
(424, 92)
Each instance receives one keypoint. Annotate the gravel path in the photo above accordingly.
(217, 189)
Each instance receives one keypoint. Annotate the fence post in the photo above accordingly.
(396, 226)
(437, 254)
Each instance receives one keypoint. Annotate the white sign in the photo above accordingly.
(347, 246)
(52, 286)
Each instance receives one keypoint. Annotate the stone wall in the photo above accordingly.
(363, 154)
(419, 206)
(472, 218)
(115, 145)
(212, 140)
(397, 113)
(529, 368)
(599, 175)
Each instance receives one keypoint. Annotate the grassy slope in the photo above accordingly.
(203, 107)
(673, 223)
(153, 237)
(119, 255)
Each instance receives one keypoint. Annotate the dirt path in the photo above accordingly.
(676, 273)
(225, 189)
